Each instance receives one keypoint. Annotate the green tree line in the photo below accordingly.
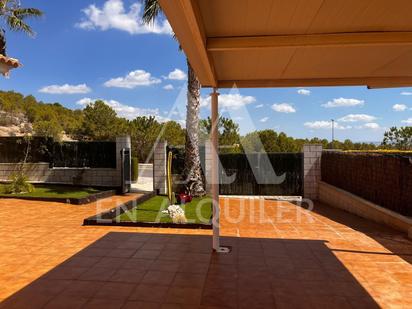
(98, 121)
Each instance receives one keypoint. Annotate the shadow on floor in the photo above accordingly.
(395, 241)
(132, 270)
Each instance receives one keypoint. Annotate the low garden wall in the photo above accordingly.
(42, 173)
(385, 180)
(86, 174)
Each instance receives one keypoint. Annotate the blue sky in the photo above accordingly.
(86, 50)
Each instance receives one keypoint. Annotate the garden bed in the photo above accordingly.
(146, 211)
(61, 194)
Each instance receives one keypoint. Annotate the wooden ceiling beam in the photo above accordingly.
(370, 82)
(187, 24)
(308, 40)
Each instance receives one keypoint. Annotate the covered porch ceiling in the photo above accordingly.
(295, 43)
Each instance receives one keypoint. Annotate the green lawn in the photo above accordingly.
(197, 211)
(54, 191)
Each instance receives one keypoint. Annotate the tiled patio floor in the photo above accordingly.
(283, 257)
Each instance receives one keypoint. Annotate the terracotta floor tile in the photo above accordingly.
(149, 293)
(98, 274)
(98, 303)
(141, 305)
(127, 276)
(189, 280)
(85, 289)
(115, 290)
(158, 277)
(63, 302)
(184, 295)
(327, 259)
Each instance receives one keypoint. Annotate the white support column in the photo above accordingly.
(214, 170)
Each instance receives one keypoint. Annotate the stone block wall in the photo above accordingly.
(312, 155)
(159, 168)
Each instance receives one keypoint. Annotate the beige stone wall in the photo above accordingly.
(159, 168)
(349, 202)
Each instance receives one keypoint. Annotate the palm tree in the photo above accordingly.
(193, 169)
(14, 17)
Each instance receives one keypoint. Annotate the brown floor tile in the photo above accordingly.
(98, 303)
(62, 302)
(149, 293)
(158, 277)
(141, 305)
(189, 280)
(184, 295)
(128, 276)
(115, 290)
(98, 274)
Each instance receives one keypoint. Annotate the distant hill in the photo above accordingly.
(14, 124)
(21, 114)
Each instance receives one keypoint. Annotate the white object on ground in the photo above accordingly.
(176, 213)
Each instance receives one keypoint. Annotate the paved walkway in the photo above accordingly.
(145, 180)
(282, 256)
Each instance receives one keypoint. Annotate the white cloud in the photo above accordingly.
(123, 110)
(168, 87)
(132, 80)
(357, 118)
(322, 124)
(407, 121)
(259, 106)
(342, 102)
(406, 93)
(230, 101)
(65, 89)
(283, 108)
(177, 74)
(113, 15)
(371, 125)
(264, 119)
(399, 107)
(304, 92)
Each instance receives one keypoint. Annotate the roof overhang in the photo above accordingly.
(291, 43)
(7, 63)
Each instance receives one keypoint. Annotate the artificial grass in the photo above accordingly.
(151, 211)
(54, 191)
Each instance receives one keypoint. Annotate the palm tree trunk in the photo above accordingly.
(2, 42)
(193, 169)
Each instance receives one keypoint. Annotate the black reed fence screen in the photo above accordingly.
(385, 180)
(252, 174)
(65, 154)
(178, 162)
(238, 177)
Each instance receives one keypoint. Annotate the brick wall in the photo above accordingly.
(385, 180)
(311, 170)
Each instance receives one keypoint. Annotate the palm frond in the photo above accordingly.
(27, 12)
(17, 24)
(151, 10)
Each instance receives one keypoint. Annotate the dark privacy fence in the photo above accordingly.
(252, 174)
(239, 178)
(59, 154)
(385, 180)
(178, 162)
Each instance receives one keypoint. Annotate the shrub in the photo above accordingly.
(135, 169)
(19, 184)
